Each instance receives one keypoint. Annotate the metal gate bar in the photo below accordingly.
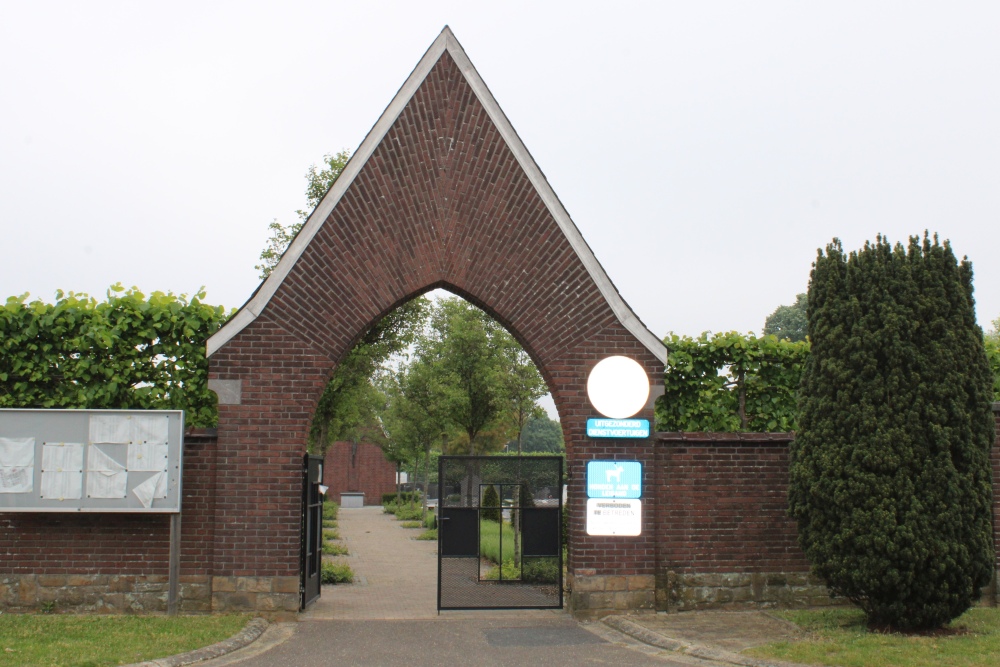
(506, 509)
(312, 530)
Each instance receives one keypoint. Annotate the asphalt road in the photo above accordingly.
(487, 642)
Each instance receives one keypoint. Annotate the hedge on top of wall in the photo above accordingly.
(729, 382)
(127, 352)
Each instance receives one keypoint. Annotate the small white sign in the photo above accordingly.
(607, 516)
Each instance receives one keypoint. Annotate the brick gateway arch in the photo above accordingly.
(441, 193)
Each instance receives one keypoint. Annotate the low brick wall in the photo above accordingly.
(724, 537)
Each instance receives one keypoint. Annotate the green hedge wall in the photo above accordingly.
(129, 351)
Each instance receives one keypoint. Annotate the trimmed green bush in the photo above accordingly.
(430, 520)
(333, 572)
(407, 513)
(490, 505)
(532, 571)
(730, 382)
(404, 497)
(334, 549)
(890, 474)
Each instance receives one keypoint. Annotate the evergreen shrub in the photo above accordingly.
(889, 472)
(490, 509)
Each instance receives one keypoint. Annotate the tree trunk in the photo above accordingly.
(742, 389)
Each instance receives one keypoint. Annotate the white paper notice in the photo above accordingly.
(111, 429)
(146, 491)
(106, 478)
(62, 456)
(61, 485)
(62, 470)
(161, 485)
(17, 465)
(151, 429)
(146, 456)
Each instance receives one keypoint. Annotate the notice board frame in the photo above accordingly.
(73, 426)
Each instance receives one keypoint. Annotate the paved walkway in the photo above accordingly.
(395, 575)
(389, 617)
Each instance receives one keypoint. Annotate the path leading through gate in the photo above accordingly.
(395, 575)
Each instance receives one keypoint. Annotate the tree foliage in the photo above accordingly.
(788, 322)
(127, 352)
(993, 355)
(543, 435)
(351, 403)
(487, 386)
(890, 476)
(319, 181)
(490, 505)
(729, 382)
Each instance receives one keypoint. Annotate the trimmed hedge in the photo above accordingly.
(127, 352)
(730, 382)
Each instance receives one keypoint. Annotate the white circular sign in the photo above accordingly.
(618, 387)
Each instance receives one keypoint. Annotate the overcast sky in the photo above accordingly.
(705, 150)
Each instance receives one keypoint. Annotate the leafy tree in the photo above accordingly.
(542, 434)
(465, 350)
(522, 385)
(352, 402)
(414, 419)
(890, 476)
(788, 322)
(994, 334)
(319, 180)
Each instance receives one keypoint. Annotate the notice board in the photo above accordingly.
(91, 460)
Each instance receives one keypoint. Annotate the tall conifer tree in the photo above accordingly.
(890, 476)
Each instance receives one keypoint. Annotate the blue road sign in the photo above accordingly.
(614, 479)
(618, 428)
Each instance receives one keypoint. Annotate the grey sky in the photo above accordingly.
(705, 150)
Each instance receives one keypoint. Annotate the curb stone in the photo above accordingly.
(624, 625)
(250, 632)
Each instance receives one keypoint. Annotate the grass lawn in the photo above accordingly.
(839, 637)
(490, 541)
(30, 640)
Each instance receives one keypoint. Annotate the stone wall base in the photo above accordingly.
(594, 596)
(737, 590)
(267, 594)
(132, 594)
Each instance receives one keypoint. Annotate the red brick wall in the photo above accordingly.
(128, 544)
(723, 505)
(358, 467)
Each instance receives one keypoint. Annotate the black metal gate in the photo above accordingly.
(500, 532)
(312, 529)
